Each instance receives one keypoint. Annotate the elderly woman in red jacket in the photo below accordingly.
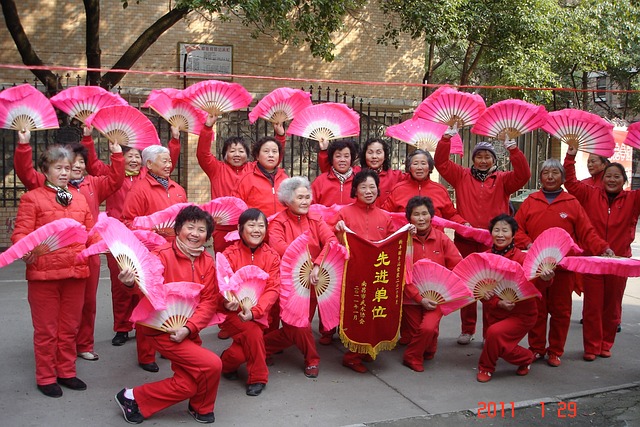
(553, 207)
(196, 369)
(423, 316)
(614, 214)
(334, 185)
(295, 194)
(56, 281)
(482, 192)
(248, 340)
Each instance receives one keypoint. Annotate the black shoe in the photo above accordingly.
(129, 408)
(149, 367)
(51, 390)
(231, 376)
(255, 389)
(619, 329)
(202, 418)
(74, 383)
(120, 338)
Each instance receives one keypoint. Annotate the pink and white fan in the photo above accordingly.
(582, 130)
(326, 122)
(327, 213)
(633, 135)
(162, 222)
(547, 251)
(124, 125)
(483, 272)
(149, 239)
(223, 275)
(248, 284)
(509, 119)
(225, 210)
(217, 97)
(616, 266)
(423, 134)
(329, 287)
(177, 112)
(46, 239)
(24, 107)
(180, 302)
(281, 105)
(479, 235)
(80, 102)
(295, 287)
(438, 284)
(131, 254)
(451, 107)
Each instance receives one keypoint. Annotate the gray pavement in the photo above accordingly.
(606, 391)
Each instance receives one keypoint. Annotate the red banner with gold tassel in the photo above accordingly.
(373, 285)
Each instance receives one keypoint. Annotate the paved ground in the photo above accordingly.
(605, 392)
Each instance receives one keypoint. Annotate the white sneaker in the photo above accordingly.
(88, 355)
(465, 339)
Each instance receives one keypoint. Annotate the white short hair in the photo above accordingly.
(151, 153)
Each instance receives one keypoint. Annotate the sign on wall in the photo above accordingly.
(205, 58)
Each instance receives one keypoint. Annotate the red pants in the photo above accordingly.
(289, 335)
(469, 314)
(601, 311)
(502, 341)
(196, 376)
(56, 309)
(424, 328)
(556, 302)
(313, 303)
(247, 346)
(124, 299)
(144, 345)
(85, 339)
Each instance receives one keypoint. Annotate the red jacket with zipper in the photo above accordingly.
(259, 192)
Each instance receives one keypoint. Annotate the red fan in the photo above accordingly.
(177, 112)
(623, 267)
(547, 251)
(483, 272)
(225, 210)
(26, 108)
(326, 122)
(451, 107)
(82, 101)
(510, 119)
(281, 105)
(131, 254)
(46, 239)
(423, 134)
(217, 97)
(124, 125)
(479, 235)
(181, 301)
(148, 238)
(162, 222)
(249, 283)
(633, 135)
(582, 130)
(295, 289)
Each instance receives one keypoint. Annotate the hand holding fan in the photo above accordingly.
(177, 112)
(479, 235)
(124, 125)
(423, 134)
(509, 119)
(249, 282)
(325, 122)
(547, 251)
(181, 301)
(217, 97)
(633, 135)
(225, 210)
(281, 105)
(80, 102)
(46, 239)
(451, 107)
(24, 108)
(582, 130)
(438, 284)
(162, 222)
(295, 289)
(616, 266)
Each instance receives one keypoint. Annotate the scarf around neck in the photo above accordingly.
(162, 181)
(342, 177)
(63, 196)
(271, 176)
(190, 252)
(482, 175)
(76, 182)
(503, 250)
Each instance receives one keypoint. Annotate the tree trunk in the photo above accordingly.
(585, 85)
(92, 48)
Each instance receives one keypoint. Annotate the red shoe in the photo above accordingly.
(523, 370)
(413, 366)
(404, 340)
(311, 371)
(356, 366)
(223, 335)
(589, 357)
(553, 360)
(605, 353)
(537, 356)
(326, 339)
(367, 358)
(483, 376)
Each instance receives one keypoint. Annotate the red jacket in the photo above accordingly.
(477, 201)
(438, 248)
(224, 178)
(95, 189)
(536, 215)
(179, 268)
(268, 260)
(405, 190)
(39, 207)
(594, 181)
(615, 222)
(328, 190)
(149, 196)
(258, 192)
(367, 221)
(286, 227)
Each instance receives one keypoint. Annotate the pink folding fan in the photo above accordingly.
(479, 235)
(633, 135)
(177, 112)
(547, 251)
(438, 284)
(616, 266)
(423, 134)
(24, 107)
(451, 107)
(510, 119)
(225, 210)
(295, 288)
(281, 105)
(162, 222)
(217, 97)
(180, 302)
(148, 238)
(80, 102)
(248, 284)
(325, 122)
(124, 125)
(582, 130)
